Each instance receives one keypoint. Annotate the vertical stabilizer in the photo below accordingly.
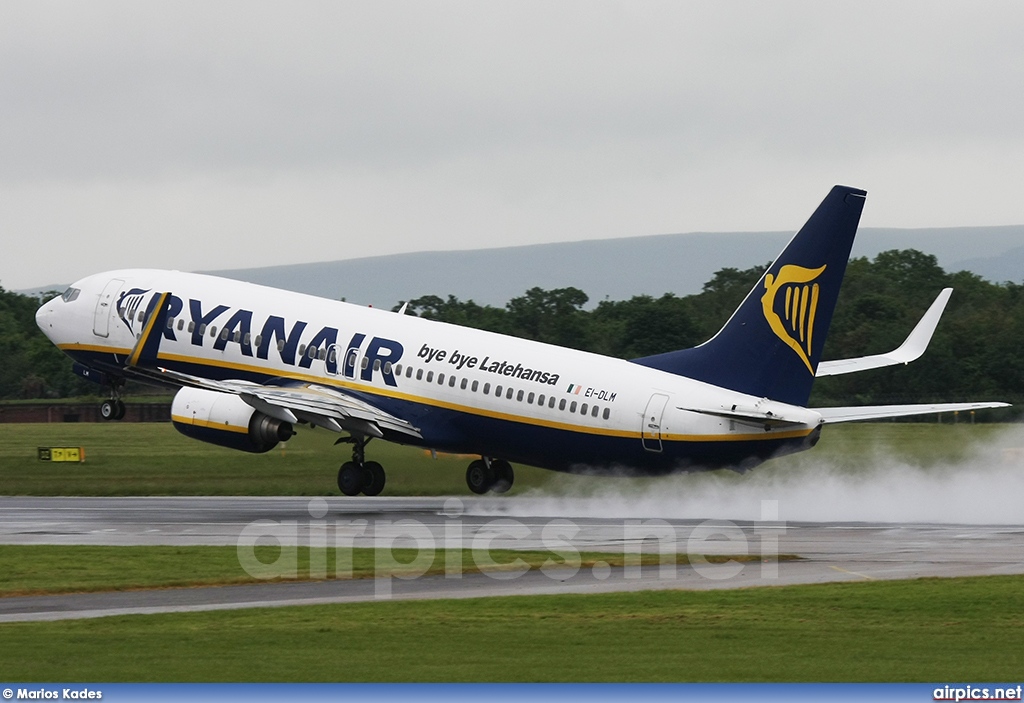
(772, 344)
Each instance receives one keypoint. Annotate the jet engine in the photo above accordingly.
(226, 420)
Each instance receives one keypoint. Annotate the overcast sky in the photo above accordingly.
(202, 135)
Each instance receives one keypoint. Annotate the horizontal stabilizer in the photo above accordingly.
(878, 412)
(912, 348)
(766, 412)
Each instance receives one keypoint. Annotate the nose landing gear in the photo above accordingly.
(114, 408)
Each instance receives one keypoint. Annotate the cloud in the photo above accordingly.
(456, 125)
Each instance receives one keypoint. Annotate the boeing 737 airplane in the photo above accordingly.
(251, 363)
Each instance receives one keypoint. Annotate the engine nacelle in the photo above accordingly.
(226, 420)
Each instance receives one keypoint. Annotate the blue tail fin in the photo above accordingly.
(771, 345)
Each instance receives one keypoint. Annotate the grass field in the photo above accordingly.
(968, 629)
(925, 630)
(153, 459)
(50, 569)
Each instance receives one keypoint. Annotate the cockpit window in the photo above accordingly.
(70, 294)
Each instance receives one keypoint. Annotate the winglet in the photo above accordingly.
(911, 349)
(148, 344)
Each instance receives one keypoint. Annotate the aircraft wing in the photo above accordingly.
(912, 348)
(306, 402)
(877, 412)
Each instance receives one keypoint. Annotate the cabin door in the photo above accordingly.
(651, 429)
(104, 308)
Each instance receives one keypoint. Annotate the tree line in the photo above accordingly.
(977, 352)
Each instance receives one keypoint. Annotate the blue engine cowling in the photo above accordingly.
(226, 420)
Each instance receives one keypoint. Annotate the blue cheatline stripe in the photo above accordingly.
(547, 444)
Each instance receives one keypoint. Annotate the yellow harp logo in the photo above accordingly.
(795, 326)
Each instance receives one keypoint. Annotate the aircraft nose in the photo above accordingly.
(45, 317)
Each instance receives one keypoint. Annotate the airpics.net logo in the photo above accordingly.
(457, 546)
(794, 289)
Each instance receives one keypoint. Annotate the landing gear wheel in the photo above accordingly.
(108, 409)
(504, 477)
(119, 409)
(479, 477)
(373, 478)
(350, 478)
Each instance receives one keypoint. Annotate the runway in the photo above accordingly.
(827, 552)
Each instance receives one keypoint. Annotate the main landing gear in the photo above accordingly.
(367, 477)
(360, 476)
(489, 476)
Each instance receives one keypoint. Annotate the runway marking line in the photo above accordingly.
(852, 573)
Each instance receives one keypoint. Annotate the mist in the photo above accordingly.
(983, 486)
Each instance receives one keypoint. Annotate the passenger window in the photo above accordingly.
(258, 341)
(572, 406)
(419, 374)
(181, 324)
(561, 404)
(551, 402)
(224, 334)
(376, 364)
(508, 394)
(280, 345)
(408, 372)
(593, 413)
(192, 327)
(519, 396)
(365, 362)
(213, 331)
(476, 384)
(529, 399)
(451, 382)
(487, 388)
(246, 339)
(430, 376)
(332, 355)
(464, 383)
(607, 413)
(202, 328)
(238, 336)
(311, 352)
(540, 400)
(142, 315)
(497, 391)
(387, 368)
(322, 354)
(440, 379)
(398, 369)
(170, 323)
(583, 409)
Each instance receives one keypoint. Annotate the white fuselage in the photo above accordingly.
(466, 390)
